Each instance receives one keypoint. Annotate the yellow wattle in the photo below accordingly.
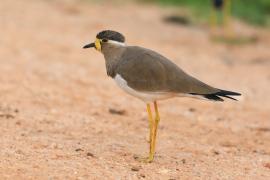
(97, 44)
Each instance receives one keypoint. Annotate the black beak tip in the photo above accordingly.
(89, 45)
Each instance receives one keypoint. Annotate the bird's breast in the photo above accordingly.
(145, 96)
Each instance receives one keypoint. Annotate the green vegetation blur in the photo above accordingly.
(253, 11)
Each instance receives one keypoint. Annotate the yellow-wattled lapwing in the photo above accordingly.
(149, 76)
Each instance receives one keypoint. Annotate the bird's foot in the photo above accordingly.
(144, 159)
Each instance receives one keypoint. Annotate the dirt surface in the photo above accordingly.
(63, 118)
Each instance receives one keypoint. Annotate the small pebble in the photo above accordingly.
(192, 109)
(219, 119)
(19, 151)
(79, 149)
(117, 111)
(135, 168)
(183, 161)
(267, 165)
(142, 175)
(136, 157)
(90, 154)
(216, 152)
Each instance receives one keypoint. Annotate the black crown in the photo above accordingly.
(111, 35)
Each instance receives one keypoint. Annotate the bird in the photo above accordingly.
(217, 4)
(149, 76)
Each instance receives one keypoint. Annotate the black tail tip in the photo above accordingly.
(219, 95)
(227, 94)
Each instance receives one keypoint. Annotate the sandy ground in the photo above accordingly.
(55, 98)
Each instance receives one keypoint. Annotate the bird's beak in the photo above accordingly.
(89, 45)
(96, 45)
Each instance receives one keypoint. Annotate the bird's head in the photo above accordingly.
(107, 38)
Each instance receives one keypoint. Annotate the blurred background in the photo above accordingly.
(254, 12)
(60, 114)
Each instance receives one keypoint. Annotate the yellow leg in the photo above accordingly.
(152, 133)
(151, 123)
(155, 128)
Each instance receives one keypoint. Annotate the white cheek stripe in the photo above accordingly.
(116, 43)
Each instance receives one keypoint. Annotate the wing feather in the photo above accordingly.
(148, 71)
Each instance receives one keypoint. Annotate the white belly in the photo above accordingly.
(145, 96)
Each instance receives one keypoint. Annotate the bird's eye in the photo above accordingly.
(104, 40)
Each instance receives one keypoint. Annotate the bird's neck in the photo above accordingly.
(112, 55)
